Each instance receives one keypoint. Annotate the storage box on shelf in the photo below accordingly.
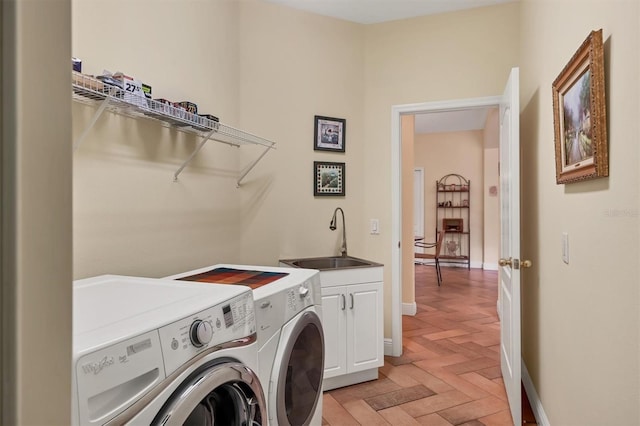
(93, 91)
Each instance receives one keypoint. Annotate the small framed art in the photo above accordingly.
(329, 134)
(329, 179)
(579, 115)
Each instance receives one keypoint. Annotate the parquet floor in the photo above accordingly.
(449, 373)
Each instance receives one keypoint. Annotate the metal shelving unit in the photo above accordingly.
(453, 216)
(91, 91)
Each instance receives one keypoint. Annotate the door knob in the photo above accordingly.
(515, 263)
(505, 262)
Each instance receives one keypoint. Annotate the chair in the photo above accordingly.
(435, 257)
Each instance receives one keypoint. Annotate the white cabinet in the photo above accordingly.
(352, 319)
(334, 320)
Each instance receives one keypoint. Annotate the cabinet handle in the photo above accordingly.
(351, 296)
(344, 302)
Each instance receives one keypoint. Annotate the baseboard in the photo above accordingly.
(388, 347)
(490, 266)
(534, 399)
(446, 264)
(350, 379)
(409, 309)
(473, 264)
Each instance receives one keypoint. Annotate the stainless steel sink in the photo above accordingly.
(327, 263)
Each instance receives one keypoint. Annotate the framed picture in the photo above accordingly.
(329, 134)
(328, 178)
(579, 115)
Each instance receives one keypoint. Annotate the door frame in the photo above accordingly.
(395, 348)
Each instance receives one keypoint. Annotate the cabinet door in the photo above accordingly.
(334, 326)
(365, 346)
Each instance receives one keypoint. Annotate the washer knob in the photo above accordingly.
(303, 291)
(201, 333)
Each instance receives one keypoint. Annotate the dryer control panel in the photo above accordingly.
(276, 309)
(211, 329)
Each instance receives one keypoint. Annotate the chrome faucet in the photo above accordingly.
(332, 226)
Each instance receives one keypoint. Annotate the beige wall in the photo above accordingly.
(491, 178)
(491, 222)
(295, 65)
(580, 321)
(4, 403)
(262, 68)
(407, 123)
(36, 213)
(129, 215)
(460, 153)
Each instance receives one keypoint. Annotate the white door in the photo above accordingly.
(509, 306)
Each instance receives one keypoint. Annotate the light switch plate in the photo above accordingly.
(375, 227)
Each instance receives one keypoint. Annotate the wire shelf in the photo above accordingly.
(93, 91)
(90, 90)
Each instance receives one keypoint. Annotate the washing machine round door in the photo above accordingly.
(219, 394)
(300, 373)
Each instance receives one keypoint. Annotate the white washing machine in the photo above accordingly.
(290, 337)
(157, 352)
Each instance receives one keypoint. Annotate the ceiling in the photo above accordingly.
(451, 121)
(376, 11)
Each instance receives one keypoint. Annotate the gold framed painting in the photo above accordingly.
(579, 115)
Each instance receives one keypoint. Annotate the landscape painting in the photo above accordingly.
(580, 116)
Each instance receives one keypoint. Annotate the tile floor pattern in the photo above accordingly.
(449, 373)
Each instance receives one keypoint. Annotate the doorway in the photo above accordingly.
(509, 299)
(396, 210)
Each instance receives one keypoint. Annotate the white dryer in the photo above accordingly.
(290, 336)
(148, 351)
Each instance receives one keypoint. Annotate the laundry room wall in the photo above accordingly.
(129, 215)
(580, 324)
(295, 65)
(36, 213)
(264, 68)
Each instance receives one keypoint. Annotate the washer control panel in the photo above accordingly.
(215, 326)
